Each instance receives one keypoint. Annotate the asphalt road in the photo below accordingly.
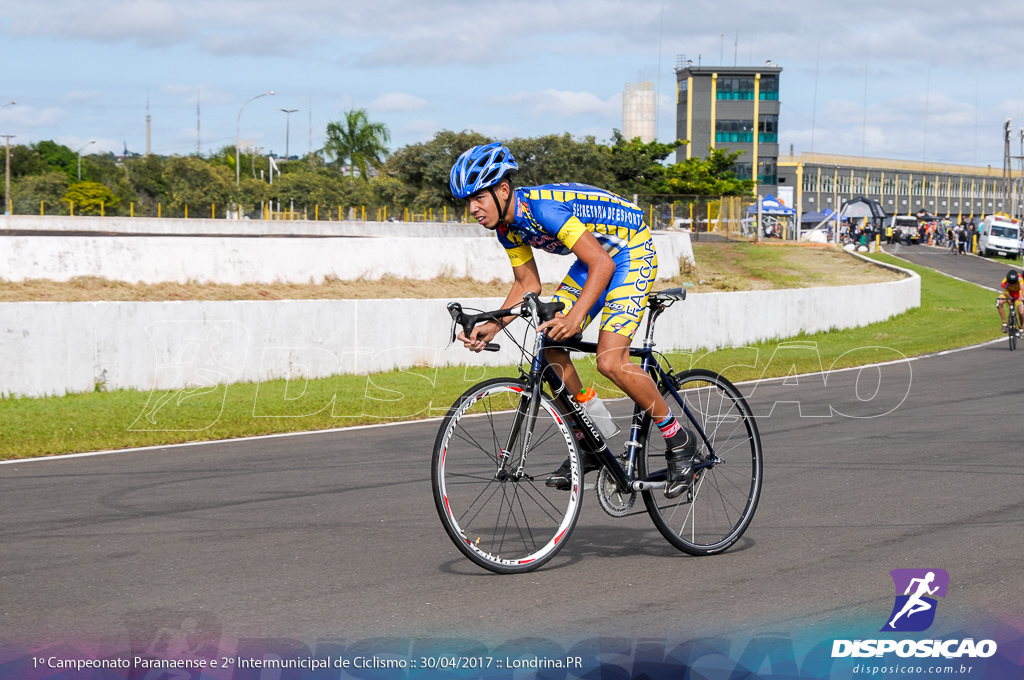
(333, 536)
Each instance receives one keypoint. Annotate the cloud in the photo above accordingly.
(83, 95)
(562, 103)
(398, 102)
(151, 23)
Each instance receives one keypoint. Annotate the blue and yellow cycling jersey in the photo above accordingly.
(553, 216)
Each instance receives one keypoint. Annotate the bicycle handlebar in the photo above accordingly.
(530, 308)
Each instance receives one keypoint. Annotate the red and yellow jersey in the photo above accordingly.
(1012, 289)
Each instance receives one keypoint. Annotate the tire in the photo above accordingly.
(1011, 332)
(718, 508)
(507, 523)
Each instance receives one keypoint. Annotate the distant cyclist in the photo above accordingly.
(1011, 293)
(614, 270)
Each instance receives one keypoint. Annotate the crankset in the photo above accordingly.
(613, 501)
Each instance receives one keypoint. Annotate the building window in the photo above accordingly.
(768, 129)
(735, 131)
(735, 89)
(742, 170)
(742, 89)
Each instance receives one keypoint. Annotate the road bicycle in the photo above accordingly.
(1012, 322)
(503, 437)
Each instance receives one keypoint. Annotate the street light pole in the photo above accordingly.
(238, 126)
(79, 154)
(287, 123)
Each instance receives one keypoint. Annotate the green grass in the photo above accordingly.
(952, 314)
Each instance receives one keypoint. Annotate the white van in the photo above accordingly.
(999, 235)
(904, 228)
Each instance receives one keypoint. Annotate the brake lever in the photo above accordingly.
(455, 309)
(458, 318)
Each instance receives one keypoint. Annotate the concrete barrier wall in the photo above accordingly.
(214, 251)
(53, 348)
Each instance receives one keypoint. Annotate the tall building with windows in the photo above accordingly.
(733, 108)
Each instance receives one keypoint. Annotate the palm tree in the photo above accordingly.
(357, 141)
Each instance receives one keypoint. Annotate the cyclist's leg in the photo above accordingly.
(568, 292)
(620, 319)
(1002, 313)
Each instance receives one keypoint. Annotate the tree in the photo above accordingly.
(145, 175)
(423, 169)
(711, 176)
(560, 158)
(58, 157)
(90, 198)
(194, 182)
(637, 167)
(43, 192)
(357, 141)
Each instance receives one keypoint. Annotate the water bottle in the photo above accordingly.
(598, 412)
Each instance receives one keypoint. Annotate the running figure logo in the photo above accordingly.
(914, 609)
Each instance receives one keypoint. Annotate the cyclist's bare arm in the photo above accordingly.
(600, 268)
(526, 280)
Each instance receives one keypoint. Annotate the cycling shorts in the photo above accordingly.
(1008, 295)
(622, 304)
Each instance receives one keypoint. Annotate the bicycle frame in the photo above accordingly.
(511, 516)
(542, 372)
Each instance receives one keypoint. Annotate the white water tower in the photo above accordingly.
(639, 112)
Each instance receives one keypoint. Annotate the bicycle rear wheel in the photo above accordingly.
(718, 508)
(492, 500)
(1011, 332)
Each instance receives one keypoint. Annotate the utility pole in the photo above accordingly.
(7, 167)
(287, 124)
(7, 176)
(1006, 165)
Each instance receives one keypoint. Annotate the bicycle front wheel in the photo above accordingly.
(488, 474)
(713, 514)
(1011, 332)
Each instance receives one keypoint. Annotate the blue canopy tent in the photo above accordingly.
(813, 218)
(774, 215)
(771, 206)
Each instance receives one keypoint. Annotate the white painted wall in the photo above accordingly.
(308, 252)
(53, 348)
(56, 348)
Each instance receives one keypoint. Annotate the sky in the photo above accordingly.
(906, 80)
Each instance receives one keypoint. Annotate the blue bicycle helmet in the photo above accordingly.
(479, 168)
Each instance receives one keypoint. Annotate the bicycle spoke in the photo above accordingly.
(504, 518)
(715, 512)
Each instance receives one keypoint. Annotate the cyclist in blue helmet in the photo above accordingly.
(615, 267)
